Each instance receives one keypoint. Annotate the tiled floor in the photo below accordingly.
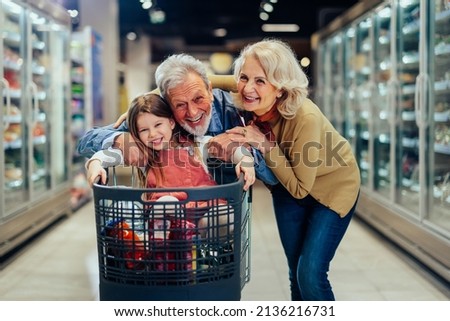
(62, 264)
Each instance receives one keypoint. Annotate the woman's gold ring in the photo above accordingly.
(244, 132)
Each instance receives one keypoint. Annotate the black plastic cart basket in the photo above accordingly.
(197, 248)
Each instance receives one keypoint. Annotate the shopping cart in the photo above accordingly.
(194, 249)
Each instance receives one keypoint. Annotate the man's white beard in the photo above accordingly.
(198, 130)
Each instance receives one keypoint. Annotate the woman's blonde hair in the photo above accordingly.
(282, 70)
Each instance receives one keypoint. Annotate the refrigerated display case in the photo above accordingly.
(35, 87)
(82, 110)
(383, 69)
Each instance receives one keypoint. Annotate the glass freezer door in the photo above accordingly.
(350, 87)
(38, 101)
(361, 94)
(15, 191)
(59, 115)
(407, 131)
(382, 106)
(439, 53)
(326, 91)
(337, 82)
(49, 98)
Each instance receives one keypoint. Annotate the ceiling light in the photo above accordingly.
(146, 4)
(305, 62)
(221, 32)
(264, 16)
(221, 62)
(267, 7)
(157, 16)
(131, 36)
(267, 27)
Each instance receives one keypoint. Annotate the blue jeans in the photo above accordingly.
(310, 234)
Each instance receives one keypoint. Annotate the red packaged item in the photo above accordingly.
(183, 231)
(130, 246)
(159, 234)
(171, 244)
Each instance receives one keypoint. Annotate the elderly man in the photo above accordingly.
(201, 110)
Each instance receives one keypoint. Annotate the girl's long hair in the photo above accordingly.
(153, 104)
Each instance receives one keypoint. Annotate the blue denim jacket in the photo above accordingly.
(223, 116)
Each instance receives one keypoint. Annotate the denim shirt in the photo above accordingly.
(223, 116)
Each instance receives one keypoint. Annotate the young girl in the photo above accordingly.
(174, 159)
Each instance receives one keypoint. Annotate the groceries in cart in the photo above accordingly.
(168, 235)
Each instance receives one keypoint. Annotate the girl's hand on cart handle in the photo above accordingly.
(95, 172)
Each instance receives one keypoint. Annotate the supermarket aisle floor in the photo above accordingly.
(62, 264)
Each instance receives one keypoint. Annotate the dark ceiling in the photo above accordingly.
(195, 20)
(192, 22)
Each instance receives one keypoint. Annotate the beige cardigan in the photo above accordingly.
(311, 157)
(303, 160)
